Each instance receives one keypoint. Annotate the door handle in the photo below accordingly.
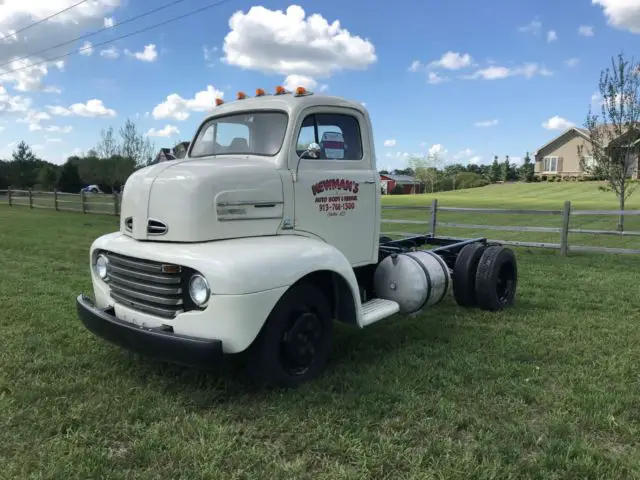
(369, 182)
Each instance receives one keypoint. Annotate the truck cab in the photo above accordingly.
(266, 232)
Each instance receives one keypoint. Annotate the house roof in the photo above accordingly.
(400, 178)
(583, 132)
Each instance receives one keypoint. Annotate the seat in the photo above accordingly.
(239, 145)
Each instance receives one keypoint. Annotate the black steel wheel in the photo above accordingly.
(464, 274)
(496, 279)
(294, 345)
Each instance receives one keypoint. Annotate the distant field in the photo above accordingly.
(547, 390)
(535, 196)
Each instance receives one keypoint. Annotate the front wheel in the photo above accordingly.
(294, 345)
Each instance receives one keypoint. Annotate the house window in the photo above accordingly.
(550, 165)
(338, 136)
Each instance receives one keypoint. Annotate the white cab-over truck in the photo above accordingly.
(264, 234)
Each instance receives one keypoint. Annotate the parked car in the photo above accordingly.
(91, 189)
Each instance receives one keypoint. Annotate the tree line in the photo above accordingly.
(107, 165)
(435, 177)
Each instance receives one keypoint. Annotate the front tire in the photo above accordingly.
(293, 346)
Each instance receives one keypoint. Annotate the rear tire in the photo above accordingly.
(464, 275)
(293, 346)
(496, 279)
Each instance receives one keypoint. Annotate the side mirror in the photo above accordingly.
(312, 151)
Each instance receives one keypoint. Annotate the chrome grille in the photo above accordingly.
(142, 285)
(156, 227)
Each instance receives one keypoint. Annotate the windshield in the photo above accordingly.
(248, 133)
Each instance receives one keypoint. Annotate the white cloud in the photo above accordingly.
(33, 118)
(434, 79)
(86, 49)
(13, 104)
(476, 160)
(15, 14)
(557, 123)
(93, 108)
(149, 54)
(273, 41)
(452, 61)
(111, 53)
(53, 140)
(177, 108)
(585, 31)
(58, 129)
(572, 62)
(466, 153)
(167, 131)
(552, 36)
(622, 14)
(294, 81)
(415, 66)
(486, 123)
(534, 27)
(109, 22)
(437, 149)
(527, 70)
(390, 143)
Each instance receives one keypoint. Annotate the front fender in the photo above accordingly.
(244, 265)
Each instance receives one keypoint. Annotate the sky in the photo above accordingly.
(466, 80)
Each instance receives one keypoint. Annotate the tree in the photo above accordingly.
(494, 173)
(68, 178)
(614, 137)
(506, 170)
(526, 170)
(47, 177)
(426, 169)
(135, 145)
(23, 153)
(107, 146)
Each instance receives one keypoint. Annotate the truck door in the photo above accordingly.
(336, 195)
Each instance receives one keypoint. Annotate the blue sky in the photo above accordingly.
(466, 79)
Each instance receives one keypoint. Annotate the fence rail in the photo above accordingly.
(110, 205)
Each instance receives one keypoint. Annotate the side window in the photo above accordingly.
(337, 134)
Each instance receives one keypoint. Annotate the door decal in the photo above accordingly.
(334, 202)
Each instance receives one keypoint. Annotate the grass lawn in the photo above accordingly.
(549, 389)
(534, 196)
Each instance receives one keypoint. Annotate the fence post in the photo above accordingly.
(564, 232)
(30, 199)
(434, 215)
(55, 199)
(9, 196)
(84, 208)
(115, 203)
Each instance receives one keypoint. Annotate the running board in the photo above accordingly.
(377, 309)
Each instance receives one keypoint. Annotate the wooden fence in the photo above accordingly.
(110, 205)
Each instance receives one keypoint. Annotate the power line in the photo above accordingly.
(86, 35)
(43, 20)
(193, 12)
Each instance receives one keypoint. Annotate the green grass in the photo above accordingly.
(534, 196)
(549, 389)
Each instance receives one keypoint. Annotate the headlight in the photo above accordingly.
(199, 290)
(101, 266)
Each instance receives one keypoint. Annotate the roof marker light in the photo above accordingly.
(241, 95)
(219, 102)
(280, 90)
(260, 92)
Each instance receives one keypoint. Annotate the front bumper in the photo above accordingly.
(152, 342)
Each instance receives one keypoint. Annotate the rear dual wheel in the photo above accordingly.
(485, 277)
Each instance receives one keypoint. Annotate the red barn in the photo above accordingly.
(409, 184)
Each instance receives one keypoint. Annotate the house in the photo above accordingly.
(180, 150)
(408, 183)
(559, 157)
